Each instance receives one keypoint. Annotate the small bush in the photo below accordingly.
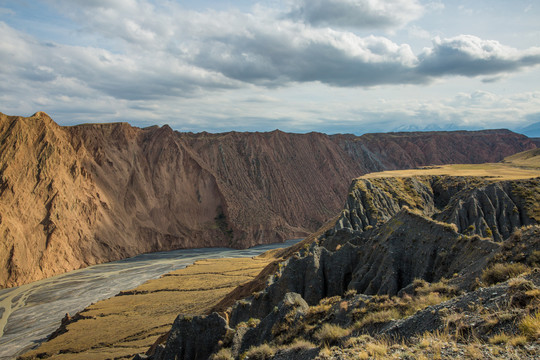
(318, 310)
(473, 352)
(358, 340)
(422, 287)
(301, 344)
(530, 326)
(377, 349)
(330, 334)
(362, 355)
(502, 272)
(223, 354)
(261, 352)
(421, 302)
(534, 293)
(534, 258)
(253, 322)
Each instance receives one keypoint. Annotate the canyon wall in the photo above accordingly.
(76, 196)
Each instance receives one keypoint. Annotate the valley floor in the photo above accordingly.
(131, 322)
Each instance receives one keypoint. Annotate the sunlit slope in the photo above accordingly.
(523, 165)
(526, 159)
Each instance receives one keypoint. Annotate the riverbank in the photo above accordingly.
(131, 322)
(31, 312)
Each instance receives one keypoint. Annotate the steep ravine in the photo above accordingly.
(80, 195)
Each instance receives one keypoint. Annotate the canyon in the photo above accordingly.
(75, 196)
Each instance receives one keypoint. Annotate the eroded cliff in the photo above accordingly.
(371, 271)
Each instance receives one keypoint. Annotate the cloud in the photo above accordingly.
(296, 53)
(178, 52)
(131, 75)
(163, 61)
(365, 14)
(471, 56)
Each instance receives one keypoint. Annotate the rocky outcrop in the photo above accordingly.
(381, 261)
(193, 337)
(390, 234)
(492, 209)
(75, 196)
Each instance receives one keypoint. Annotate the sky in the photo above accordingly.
(333, 66)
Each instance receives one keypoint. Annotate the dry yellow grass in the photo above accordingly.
(122, 326)
(528, 159)
(497, 171)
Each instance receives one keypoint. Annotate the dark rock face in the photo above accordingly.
(76, 196)
(493, 210)
(381, 261)
(193, 338)
(263, 332)
(486, 208)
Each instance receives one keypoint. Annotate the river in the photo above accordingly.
(29, 313)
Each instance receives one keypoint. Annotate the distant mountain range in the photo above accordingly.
(532, 130)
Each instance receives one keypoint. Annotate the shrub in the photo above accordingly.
(330, 334)
(301, 344)
(534, 293)
(502, 272)
(253, 322)
(377, 349)
(473, 352)
(261, 352)
(534, 258)
(223, 354)
(422, 287)
(421, 302)
(530, 326)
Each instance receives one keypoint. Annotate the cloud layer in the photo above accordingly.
(152, 52)
(175, 52)
(374, 14)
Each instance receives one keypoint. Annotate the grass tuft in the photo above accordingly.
(377, 317)
(261, 352)
(502, 272)
(330, 334)
(530, 326)
(301, 344)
